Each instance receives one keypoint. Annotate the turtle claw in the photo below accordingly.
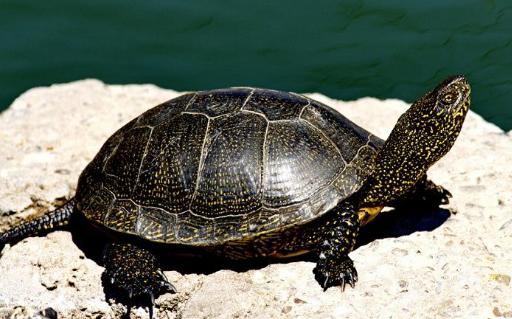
(130, 293)
(165, 284)
(442, 195)
(168, 287)
(342, 284)
(331, 272)
(348, 277)
(425, 194)
(152, 297)
(137, 283)
(135, 272)
(433, 194)
(326, 281)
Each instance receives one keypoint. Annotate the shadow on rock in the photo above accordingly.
(390, 224)
(183, 259)
(402, 222)
(186, 260)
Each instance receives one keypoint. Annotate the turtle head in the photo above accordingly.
(434, 121)
(422, 135)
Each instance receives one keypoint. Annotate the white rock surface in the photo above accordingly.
(459, 269)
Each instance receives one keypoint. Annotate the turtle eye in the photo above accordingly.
(449, 97)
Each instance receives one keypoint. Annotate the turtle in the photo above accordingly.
(249, 173)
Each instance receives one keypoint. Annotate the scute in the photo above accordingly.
(276, 105)
(171, 164)
(299, 162)
(122, 168)
(155, 225)
(122, 216)
(191, 228)
(230, 177)
(346, 135)
(217, 166)
(164, 112)
(219, 102)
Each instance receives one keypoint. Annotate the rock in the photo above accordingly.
(410, 266)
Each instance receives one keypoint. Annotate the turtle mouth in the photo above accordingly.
(462, 106)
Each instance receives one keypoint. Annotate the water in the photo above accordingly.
(346, 50)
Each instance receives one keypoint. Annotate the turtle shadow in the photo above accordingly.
(185, 260)
(393, 223)
(389, 224)
(400, 222)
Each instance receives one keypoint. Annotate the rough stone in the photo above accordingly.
(410, 266)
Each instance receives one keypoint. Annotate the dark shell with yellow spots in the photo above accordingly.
(217, 166)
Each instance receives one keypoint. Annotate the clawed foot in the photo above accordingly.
(331, 272)
(135, 271)
(435, 195)
(425, 194)
(334, 267)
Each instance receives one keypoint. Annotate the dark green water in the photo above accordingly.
(344, 49)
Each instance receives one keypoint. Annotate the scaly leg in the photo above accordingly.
(135, 271)
(424, 194)
(334, 266)
(43, 224)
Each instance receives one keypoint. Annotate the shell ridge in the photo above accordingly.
(143, 159)
(327, 138)
(192, 99)
(247, 99)
(201, 162)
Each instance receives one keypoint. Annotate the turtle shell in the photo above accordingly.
(214, 166)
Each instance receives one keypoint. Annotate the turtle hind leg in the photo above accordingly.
(334, 266)
(135, 272)
(48, 222)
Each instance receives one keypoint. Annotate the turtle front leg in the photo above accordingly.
(424, 193)
(334, 266)
(135, 271)
(432, 193)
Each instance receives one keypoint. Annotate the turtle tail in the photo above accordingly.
(48, 222)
